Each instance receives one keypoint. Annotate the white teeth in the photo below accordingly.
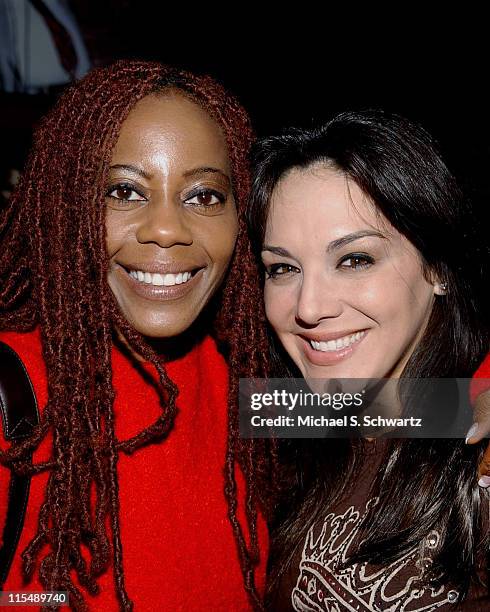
(335, 345)
(167, 280)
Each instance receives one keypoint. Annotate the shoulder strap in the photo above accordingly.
(18, 408)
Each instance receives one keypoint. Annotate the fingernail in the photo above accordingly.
(471, 432)
(484, 482)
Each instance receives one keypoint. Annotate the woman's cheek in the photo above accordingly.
(279, 304)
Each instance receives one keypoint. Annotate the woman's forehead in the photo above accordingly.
(171, 125)
(325, 194)
(321, 206)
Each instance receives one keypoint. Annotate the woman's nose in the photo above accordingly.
(318, 299)
(164, 223)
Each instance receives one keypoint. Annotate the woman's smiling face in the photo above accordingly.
(171, 218)
(345, 292)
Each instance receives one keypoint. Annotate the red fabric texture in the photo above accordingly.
(481, 379)
(179, 552)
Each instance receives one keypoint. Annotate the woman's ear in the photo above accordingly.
(440, 288)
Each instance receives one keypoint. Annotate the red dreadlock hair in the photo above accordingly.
(53, 270)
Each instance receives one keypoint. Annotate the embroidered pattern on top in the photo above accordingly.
(323, 585)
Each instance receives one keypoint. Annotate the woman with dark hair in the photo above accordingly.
(372, 270)
(112, 249)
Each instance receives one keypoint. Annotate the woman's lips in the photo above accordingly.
(157, 293)
(332, 356)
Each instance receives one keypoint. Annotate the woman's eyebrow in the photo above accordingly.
(131, 168)
(206, 170)
(188, 174)
(276, 250)
(335, 244)
(348, 238)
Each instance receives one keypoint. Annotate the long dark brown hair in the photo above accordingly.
(53, 230)
(425, 484)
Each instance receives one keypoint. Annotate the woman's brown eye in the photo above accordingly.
(356, 261)
(206, 198)
(123, 193)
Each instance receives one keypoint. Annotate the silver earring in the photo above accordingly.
(440, 288)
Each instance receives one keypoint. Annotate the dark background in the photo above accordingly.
(299, 66)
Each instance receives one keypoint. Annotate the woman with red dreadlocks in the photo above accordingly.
(111, 250)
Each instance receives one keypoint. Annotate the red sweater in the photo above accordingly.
(178, 547)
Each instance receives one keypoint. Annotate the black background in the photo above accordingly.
(294, 64)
